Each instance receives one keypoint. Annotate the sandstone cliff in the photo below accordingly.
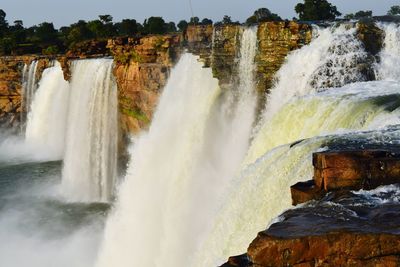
(142, 64)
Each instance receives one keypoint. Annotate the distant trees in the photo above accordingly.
(394, 10)
(316, 10)
(206, 21)
(182, 25)
(359, 15)
(3, 23)
(261, 15)
(154, 25)
(127, 27)
(194, 21)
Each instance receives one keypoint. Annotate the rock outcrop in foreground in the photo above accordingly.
(339, 228)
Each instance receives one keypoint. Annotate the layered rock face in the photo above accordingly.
(275, 41)
(11, 86)
(142, 64)
(141, 70)
(10, 90)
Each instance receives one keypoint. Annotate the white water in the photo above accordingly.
(161, 160)
(46, 125)
(390, 55)
(89, 170)
(196, 147)
(295, 111)
(329, 60)
(29, 84)
(262, 190)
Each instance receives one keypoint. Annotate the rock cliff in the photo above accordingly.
(142, 64)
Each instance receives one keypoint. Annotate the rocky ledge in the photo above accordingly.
(337, 226)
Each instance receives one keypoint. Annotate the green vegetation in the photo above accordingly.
(261, 15)
(359, 15)
(137, 114)
(44, 38)
(317, 10)
(394, 10)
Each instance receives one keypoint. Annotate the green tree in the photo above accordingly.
(394, 10)
(3, 23)
(171, 27)
(194, 21)
(262, 14)
(182, 25)
(206, 21)
(50, 50)
(226, 20)
(45, 33)
(359, 15)
(17, 31)
(154, 25)
(317, 10)
(127, 27)
(106, 18)
(97, 28)
(77, 32)
(7, 45)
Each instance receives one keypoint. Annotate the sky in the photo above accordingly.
(65, 12)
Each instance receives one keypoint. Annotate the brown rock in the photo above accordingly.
(305, 191)
(365, 169)
(331, 249)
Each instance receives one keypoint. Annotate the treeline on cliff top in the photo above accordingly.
(44, 38)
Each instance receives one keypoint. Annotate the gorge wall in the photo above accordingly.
(143, 64)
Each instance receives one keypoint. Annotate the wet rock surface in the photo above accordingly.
(345, 228)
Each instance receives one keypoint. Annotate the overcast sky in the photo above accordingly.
(68, 11)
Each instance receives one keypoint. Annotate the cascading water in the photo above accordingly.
(263, 188)
(329, 60)
(297, 110)
(89, 170)
(161, 161)
(29, 86)
(390, 55)
(183, 193)
(46, 123)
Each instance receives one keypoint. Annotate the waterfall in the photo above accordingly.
(299, 107)
(29, 86)
(161, 160)
(46, 124)
(183, 166)
(390, 54)
(89, 169)
(330, 60)
(262, 190)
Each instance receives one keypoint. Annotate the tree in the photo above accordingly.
(77, 32)
(154, 25)
(127, 27)
(170, 27)
(394, 10)
(106, 18)
(206, 21)
(226, 20)
(262, 14)
(359, 15)
(182, 25)
(194, 21)
(17, 31)
(97, 28)
(317, 10)
(3, 23)
(46, 33)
